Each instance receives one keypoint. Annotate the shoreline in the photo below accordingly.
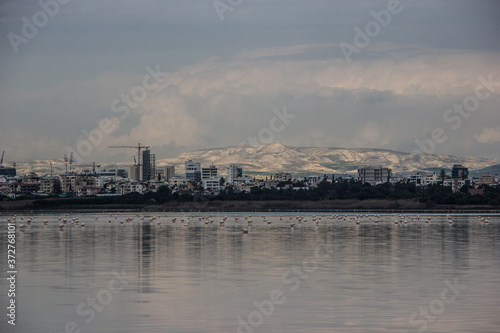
(324, 206)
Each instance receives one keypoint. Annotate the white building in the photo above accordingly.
(233, 171)
(177, 181)
(417, 178)
(211, 184)
(88, 190)
(432, 179)
(130, 188)
(243, 180)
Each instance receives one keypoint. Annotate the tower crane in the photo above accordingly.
(138, 147)
(93, 165)
(66, 162)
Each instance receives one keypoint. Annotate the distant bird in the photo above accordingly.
(244, 230)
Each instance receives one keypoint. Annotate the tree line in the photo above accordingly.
(431, 195)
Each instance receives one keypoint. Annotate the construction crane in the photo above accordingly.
(93, 165)
(70, 161)
(138, 147)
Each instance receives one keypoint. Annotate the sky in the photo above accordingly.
(413, 76)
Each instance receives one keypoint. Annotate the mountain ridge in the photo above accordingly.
(276, 157)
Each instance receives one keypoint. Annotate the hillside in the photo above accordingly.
(310, 160)
(275, 157)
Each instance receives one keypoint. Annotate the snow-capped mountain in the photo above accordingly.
(275, 157)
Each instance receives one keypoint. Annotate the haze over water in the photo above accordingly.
(336, 276)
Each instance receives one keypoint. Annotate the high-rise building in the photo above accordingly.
(148, 165)
(193, 171)
(210, 172)
(233, 171)
(374, 175)
(459, 172)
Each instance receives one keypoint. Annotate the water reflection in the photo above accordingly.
(203, 277)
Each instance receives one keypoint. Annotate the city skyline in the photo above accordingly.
(180, 76)
(268, 159)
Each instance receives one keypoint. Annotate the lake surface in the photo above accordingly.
(325, 274)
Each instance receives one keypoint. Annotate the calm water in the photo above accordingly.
(336, 276)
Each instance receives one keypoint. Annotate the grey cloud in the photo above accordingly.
(228, 76)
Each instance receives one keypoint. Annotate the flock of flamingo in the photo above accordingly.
(291, 220)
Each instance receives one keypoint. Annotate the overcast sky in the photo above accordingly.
(229, 67)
